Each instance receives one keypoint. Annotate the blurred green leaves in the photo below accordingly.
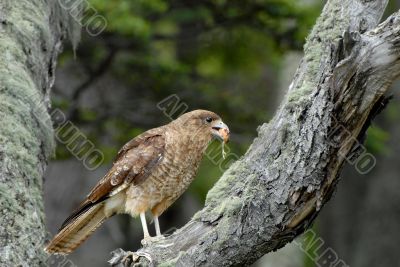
(377, 139)
(214, 54)
(129, 17)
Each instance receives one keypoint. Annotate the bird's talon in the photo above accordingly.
(135, 257)
(129, 254)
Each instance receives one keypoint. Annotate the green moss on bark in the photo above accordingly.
(328, 30)
(30, 35)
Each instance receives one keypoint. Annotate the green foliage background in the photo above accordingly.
(218, 55)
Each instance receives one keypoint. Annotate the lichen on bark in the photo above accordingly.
(31, 33)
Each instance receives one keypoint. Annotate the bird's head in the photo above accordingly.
(205, 123)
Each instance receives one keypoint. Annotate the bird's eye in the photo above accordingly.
(209, 119)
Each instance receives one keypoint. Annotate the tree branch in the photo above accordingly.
(276, 190)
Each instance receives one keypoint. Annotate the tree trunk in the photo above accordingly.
(31, 32)
(275, 191)
(291, 255)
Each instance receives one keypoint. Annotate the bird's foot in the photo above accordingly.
(130, 256)
(134, 256)
(127, 258)
(151, 239)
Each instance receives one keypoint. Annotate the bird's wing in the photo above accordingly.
(133, 164)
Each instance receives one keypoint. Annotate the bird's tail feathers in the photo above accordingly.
(77, 230)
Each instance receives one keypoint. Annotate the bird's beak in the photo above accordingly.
(220, 131)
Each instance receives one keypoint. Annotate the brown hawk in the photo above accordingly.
(149, 173)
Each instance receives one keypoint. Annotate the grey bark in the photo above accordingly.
(370, 200)
(275, 191)
(291, 255)
(31, 32)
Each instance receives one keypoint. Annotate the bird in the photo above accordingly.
(149, 173)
